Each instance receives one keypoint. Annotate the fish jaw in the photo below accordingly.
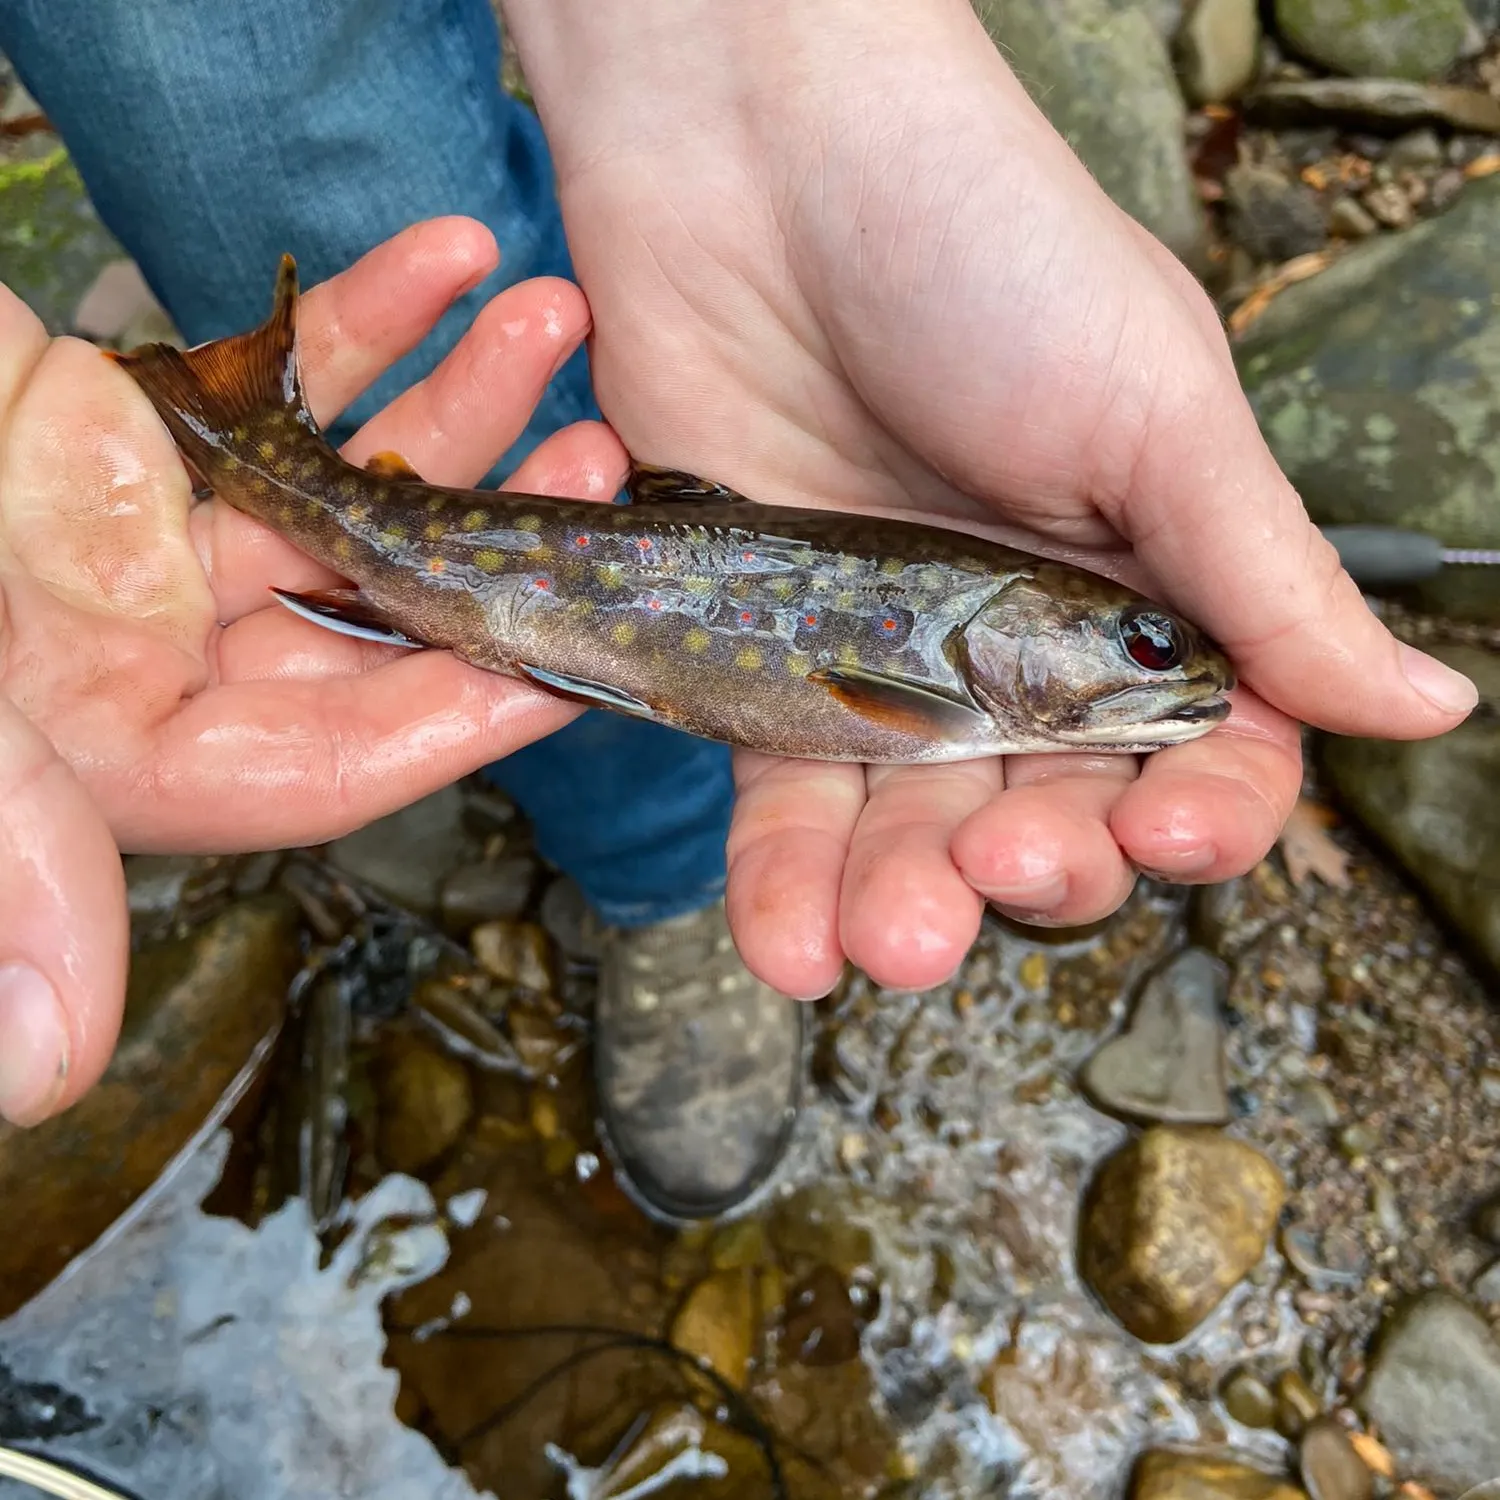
(1178, 723)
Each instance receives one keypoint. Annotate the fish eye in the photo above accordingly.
(1151, 639)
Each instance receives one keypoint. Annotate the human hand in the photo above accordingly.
(153, 695)
(836, 257)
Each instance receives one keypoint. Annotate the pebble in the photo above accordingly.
(406, 855)
(1247, 1399)
(1296, 1403)
(425, 1098)
(824, 1319)
(570, 922)
(1357, 1141)
(1272, 216)
(1218, 47)
(716, 1323)
(1171, 1223)
(1487, 1284)
(1169, 1064)
(1164, 1475)
(1386, 203)
(1313, 1104)
(1349, 220)
(1418, 148)
(1434, 1390)
(486, 891)
(1330, 1468)
(514, 953)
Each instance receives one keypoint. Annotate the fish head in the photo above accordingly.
(1076, 661)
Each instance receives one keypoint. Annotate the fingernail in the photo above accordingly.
(33, 1045)
(1034, 896)
(1437, 682)
(1031, 918)
(1180, 864)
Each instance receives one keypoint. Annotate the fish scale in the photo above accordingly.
(796, 631)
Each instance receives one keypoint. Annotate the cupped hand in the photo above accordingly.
(153, 695)
(843, 261)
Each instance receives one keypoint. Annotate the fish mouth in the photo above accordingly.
(1205, 711)
(1173, 722)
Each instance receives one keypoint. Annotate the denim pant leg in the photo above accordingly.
(213, 137)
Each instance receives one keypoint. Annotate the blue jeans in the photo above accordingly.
(214, 136)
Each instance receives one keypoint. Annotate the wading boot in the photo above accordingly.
(698, 1066)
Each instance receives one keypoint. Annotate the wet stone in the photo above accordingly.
(1433, 1391)
(1330, 1468)
(1415, 39)
(1218, 47)
(824, 1319)
(1349, 219)
(1381, 104)
(407, 855)
(426, 1099)
(1169, 1065)
(1171, 1223)
(1247, 1400)
(198, 1009)
(717, 1323)
(1487, 1284)
(515, 953)
(488, 891)
(1163, 1475)
(1487, 1220)
(1272, 216)
(1296, 1403)
(569, 922)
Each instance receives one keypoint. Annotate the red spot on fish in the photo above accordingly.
(746, 617)
(888, 626)
(809, 619)
(747, 557)
(436, 565)
(544, 584)
(653, 604)
(580, 540)
(643, 544)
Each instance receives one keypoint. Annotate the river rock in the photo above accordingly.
(1169, 1064)
(1171, 1223)
(1377, 385)
(1218, 48)
(1382, 105)
(486, 891)
(1330, 1467)
(1104, 75)
(1433, 804)
(1376, 38)
(197, 1010)
(1272, 216)
(1434, 1392)
(405, 856)
(1164, 1475)
(426, 1099)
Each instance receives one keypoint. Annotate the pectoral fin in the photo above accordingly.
(900, 705)
(648, 483)
(582, 690)
(347, 612)
(389, 465)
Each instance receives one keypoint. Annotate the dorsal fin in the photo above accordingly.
(648, 483)
(390, 465)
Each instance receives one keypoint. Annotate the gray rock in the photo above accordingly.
(1434, 1391)
(1169, 1065)
(487, 890)
(1103, 76)
(1487, 1284)
(1377, 385)
(1218, 48)
(1272, 216)
(1415, 39)
(1350, 220)
(406, 855)
(1433, 804)
(1381, 105)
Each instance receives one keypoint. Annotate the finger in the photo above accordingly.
(23, 341)
(1042, 851)
(261, 765)
(64, 937)
(1211, 809)
(1216, 521)
(354, 326)
(793, 820)
(907, 917)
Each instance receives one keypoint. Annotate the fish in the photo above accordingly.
(784, 629)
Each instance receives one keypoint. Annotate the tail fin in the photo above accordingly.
(206, 392)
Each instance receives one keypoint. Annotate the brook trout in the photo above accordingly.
(794, 631)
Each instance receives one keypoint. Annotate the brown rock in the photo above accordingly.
(196, 1011)
(1161, 1475)
(1331, 1469)
(1171, 1222)
(717, 1323)
(514, 952)
(426, 1099)
(824, 1319)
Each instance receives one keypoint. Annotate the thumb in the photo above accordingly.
(1214, 518)
(64, 932)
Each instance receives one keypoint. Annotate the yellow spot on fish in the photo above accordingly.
(435, 503)
(699, 585)
(434, 531)
(580, 608)
(475, 520)
(893, 566)
(610, 575)
(529, 523)
(229, 462)
(782, 587)
(313, 509)
(393, 534)
(847, 564)
(696, 640)
(821, 584)
(358, 513)
(489, 560)
(797, 665)
(932, 578)
(436, 565)
(266, 448)
(285, 512)
(348, 488)
(343, 547)
(309, 468)
(240, 434)
(624, 633)
(843, 600)
(750, 659)
(849, 655)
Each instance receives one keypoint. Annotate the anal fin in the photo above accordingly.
(390, 465)
(649, 483)
(347, 612)
(583, 690)
(901, 706)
